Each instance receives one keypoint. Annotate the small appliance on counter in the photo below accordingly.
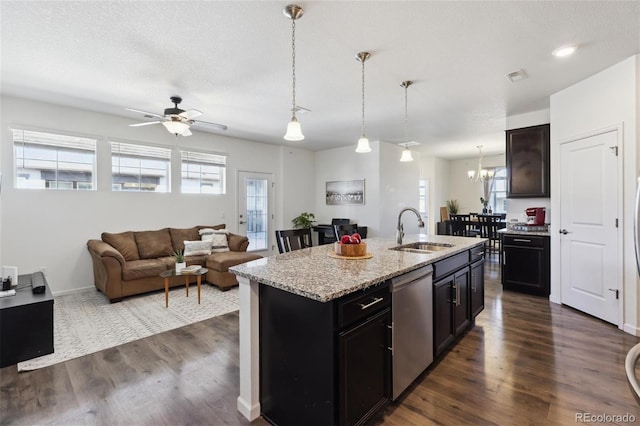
(535, 216)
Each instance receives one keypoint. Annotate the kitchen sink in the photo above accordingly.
(422, 247)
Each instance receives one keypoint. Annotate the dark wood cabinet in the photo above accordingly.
(525, 264)
(443, 334)
(477, 288)
(365, 368)
(458, 296)
(451, 309)
(324, 363)
(528, 157)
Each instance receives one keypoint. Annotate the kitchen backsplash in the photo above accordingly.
(517, 206)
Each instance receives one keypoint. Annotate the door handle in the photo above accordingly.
(242, 222)
(563, 231)
(617, 292)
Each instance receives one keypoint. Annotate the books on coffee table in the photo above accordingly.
(190, 269)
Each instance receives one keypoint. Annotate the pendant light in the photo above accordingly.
(363, 142)
(294, 131)
(406, 153)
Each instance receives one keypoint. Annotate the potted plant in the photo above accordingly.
(304, 220)
(178, 255)
(452, 205)
(484, 202)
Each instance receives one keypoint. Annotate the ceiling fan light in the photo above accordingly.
(176, 127)
(363, 145)
(294, 131)
(406, 155)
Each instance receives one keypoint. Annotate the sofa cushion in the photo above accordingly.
(221, 226)
(223, 261)
(124, 242)
(143, 269)
(178, 235)
(195, 248)
(154, 244)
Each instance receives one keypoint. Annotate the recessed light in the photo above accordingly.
(565, 50)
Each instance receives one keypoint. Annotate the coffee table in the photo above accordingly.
(198, 273)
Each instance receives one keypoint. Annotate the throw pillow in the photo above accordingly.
(218, 240)
(197, 248)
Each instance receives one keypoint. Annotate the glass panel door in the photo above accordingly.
(255, 210)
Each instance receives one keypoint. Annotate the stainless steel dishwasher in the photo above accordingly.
(412, 326)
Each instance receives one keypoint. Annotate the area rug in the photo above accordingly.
(86, 322)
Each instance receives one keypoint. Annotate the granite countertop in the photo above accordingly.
(311, 273)
(514, 232)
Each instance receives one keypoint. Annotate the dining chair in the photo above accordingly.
(489, 225)
(344, 229)
(459, 224)
(293, 239)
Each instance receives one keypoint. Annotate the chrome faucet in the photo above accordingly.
(400, 229)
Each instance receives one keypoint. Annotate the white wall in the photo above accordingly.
(345, 164)
(433, 169)
(606, 99)
(50, 229)
(298, 177)
(399, 189)
(389, 186)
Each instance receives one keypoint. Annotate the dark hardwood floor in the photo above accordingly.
(527, 361)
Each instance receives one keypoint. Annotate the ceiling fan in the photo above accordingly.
(176, 120)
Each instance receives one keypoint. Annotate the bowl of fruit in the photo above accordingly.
(350, 246)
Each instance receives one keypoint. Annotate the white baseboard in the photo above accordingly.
(631, 329)
(73, 290)
(251, 413)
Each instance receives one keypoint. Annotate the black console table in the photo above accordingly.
(26, 323)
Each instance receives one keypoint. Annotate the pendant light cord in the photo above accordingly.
(363, 134)
(405, 116)
(293, 64)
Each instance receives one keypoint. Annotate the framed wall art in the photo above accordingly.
(343, 192)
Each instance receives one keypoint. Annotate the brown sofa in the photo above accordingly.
(130, 262)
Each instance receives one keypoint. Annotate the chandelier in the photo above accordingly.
(480, 175)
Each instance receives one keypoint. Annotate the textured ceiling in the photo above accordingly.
(232, 60)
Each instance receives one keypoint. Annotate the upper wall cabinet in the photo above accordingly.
(528, 162)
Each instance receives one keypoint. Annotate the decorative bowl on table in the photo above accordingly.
(350, 250)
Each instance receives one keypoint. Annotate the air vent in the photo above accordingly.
(514, 76)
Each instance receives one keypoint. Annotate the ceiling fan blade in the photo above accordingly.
(211, 125)
(187, 133)
(190, 114)
(146, 123)
(151, 114)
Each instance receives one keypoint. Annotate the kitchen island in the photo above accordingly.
(320, 289)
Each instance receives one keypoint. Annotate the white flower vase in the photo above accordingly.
(180, 266)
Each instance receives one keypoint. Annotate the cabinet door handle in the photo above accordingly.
(473, 281)
(521, 240)
(368, 305)
(456, 300)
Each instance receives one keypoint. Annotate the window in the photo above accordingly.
(53, 161)
(498, 191)
(203, 173)
(140, 168)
